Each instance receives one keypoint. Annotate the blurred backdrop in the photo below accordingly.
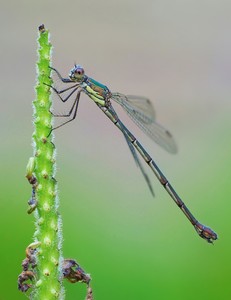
(177, 53)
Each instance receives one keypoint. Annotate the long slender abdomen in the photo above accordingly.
(205, 232)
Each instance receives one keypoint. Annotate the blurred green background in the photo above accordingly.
(177, 53)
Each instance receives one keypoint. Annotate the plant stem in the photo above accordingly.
(48, 222)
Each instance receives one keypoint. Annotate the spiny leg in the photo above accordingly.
(69, 113)
(74, 87)
(60, 77)
(73, 108)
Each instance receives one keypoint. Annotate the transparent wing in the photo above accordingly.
(141, 108)
(141, 111)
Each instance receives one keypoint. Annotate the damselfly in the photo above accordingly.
(140, 110)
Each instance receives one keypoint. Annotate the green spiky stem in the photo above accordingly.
(48, 283)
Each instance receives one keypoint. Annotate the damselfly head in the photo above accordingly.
(77, 73)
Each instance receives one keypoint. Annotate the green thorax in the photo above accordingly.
(97, 84)
(98, 87)
(96, 91)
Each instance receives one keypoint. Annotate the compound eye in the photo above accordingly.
(79, 71)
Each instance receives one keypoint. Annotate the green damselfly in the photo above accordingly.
(140, 110)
